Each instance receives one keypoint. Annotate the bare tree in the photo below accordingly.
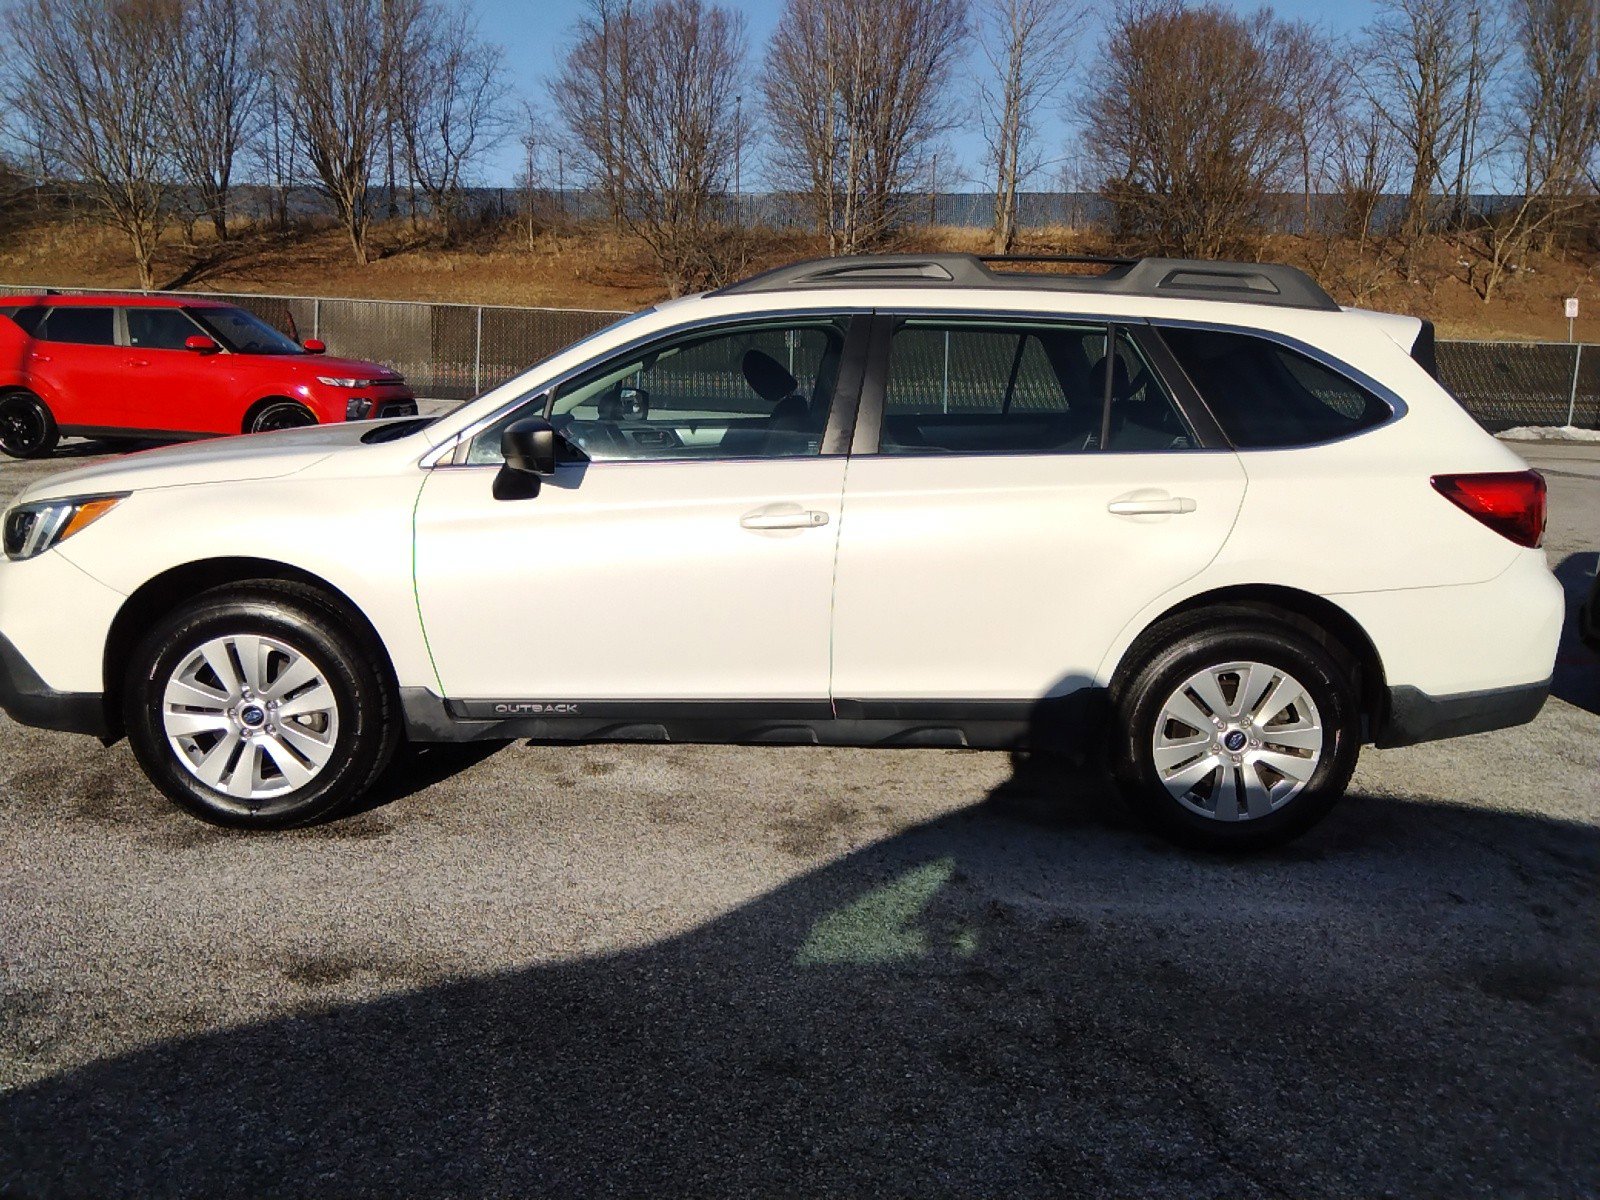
(1186, 177)
(856, 93)
(1430, 67)
(1029, 47)
(593, 93)
(450, 108)
(1313, 77)
(96, 86)
(537, 208)
(680, 135)
(334, 62)
(216, 73)
(1552, 123)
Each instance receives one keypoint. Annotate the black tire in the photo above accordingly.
(27, 427)
(300, 618)
(280, 414)
(1167, 657)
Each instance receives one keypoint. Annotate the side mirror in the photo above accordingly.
(529, 446)
(314, 345)
(200, 344)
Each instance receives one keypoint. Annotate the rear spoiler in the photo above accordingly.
(1423, 352)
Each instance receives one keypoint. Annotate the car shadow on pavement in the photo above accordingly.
(1024, 997)
(1577, 675)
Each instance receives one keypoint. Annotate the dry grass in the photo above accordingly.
(596, 267)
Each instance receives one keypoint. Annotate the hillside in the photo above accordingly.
(597, 268)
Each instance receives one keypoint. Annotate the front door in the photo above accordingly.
(1027, 494)
(171, 387)
(685, 554)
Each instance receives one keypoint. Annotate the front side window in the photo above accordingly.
(81, 326)
(159, 328)
(245, 333)
(1266, 395)
(755, 391)
(1013, 388)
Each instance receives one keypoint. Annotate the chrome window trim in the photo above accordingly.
(455, 447)
(1391, 399)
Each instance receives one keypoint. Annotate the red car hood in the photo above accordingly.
(343, 368)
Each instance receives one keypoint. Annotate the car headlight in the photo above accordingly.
(334, 381)
(31, 529)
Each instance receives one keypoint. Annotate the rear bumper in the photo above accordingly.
(1414, 716)
(28, 700)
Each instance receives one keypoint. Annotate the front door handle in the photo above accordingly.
(784, 516)
(138, 362)
(1151, 506)
(40, 357)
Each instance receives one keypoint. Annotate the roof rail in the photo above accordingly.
(1178, 278)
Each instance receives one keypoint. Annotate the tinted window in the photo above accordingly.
(85, 326)
(1265, 395)
(29, 317)
(759, 391)
(159, 328)
(985, 388)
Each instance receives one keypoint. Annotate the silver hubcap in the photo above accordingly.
(1237, 741)
(251, 717)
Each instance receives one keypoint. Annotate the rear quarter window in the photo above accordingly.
(1267, 395)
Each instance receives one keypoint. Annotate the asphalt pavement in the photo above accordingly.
(714, 971)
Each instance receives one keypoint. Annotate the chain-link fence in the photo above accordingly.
(1509, 384)
(454, 351)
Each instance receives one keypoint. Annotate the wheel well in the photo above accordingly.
(1322, 620)
(259, 405)
(160, 595)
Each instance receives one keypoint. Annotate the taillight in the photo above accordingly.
(1512, 503)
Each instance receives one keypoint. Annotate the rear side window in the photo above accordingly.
(83, 326)
(1265, 395)
(980, 388)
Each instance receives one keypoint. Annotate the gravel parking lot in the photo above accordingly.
(632, 970)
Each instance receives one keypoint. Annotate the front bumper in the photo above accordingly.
(1414, 716)
(28, 700)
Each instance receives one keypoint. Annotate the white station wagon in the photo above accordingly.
(1192, 516)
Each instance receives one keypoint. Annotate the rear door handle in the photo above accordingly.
(138, 362)
(40, 357)
(783, 516)
(1153, 507)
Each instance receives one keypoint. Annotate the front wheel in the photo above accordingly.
(27, 428)
(257, 707)
(281, 414)
(1235, 736)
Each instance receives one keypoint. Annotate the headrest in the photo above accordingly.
(766, 375)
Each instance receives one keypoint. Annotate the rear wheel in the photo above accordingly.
(280, 414)
(27, 429)
(1235, 736)
(258, 707)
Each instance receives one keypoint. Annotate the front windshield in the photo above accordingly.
(244, 333)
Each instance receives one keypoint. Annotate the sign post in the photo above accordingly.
(1572, 314)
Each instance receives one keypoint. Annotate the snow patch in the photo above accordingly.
(1550, 433)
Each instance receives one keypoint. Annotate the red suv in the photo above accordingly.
(155, 366)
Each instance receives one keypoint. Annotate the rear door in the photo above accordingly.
(75, 364)
(1012, 500)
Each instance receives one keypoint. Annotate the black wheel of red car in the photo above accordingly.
(27, 430)
(281, 414)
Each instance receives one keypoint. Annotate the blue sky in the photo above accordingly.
(535, 32)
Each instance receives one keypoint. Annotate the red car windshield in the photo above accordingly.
(244, 333)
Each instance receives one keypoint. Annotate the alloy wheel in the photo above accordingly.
(1237, 741)
(251, 717)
